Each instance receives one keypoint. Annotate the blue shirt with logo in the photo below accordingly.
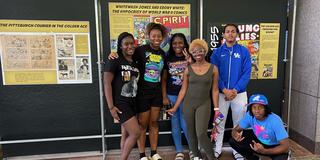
(269, 131)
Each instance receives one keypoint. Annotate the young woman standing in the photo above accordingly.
(120, 85)
(199, 79)
(172, 78)
(150, 58)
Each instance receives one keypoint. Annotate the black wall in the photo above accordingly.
(49, 111)
(112, 128)
(254, 11)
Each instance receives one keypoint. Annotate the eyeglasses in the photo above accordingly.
(198, 51)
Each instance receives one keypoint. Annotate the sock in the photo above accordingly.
(153, 152)
(142, 154)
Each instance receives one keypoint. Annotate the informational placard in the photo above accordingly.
(134, 17)
(262, 41)
(45, 52)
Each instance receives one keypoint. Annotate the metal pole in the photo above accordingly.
(201, 19)
(67, 138)
(99, 48)
(50, 139)
(291, 59)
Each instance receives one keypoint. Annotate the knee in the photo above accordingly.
(153, 124)
(175, 129)
(137, 134)
(202, 136)
(143, 126)
(233, 143)
(174, 124)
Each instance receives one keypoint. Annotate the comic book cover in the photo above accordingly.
(140, 23)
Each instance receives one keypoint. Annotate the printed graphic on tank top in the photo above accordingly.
(153, 68)
(130, 77)
(176, 70)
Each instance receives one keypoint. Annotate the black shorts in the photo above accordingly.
(127, 108)
(144, 102)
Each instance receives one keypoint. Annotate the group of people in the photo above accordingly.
(140, 80)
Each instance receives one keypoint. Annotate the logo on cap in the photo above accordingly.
(258, 98)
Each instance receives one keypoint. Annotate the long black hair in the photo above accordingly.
(122, 36)
(185, 43)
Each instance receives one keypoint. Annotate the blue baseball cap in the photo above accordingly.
(258, 98)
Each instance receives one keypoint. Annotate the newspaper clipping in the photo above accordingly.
(45, 52)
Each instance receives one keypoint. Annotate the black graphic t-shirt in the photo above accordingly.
(150, 64)
(174, 67)
(125, 81)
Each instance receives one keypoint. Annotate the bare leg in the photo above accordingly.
(124, 136)
(132, 129)
(143, 121)
(153, 127)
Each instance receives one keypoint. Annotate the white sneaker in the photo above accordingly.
(238, 156)
(156, 157)
(191, 156)
(144, 158)
(217, 154)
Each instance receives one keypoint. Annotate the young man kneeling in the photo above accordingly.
(268, 136)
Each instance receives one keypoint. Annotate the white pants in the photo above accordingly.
(238, 108)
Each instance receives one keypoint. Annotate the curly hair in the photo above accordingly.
(151, 26)
(199, 42)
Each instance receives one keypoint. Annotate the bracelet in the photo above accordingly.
(216, 109)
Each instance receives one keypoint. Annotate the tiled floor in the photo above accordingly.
(298, 153)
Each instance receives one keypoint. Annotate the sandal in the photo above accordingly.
(179, 156)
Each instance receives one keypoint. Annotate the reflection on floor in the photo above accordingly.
(298, 153)
(167, 153)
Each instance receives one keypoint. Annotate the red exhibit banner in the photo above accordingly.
(173, 21)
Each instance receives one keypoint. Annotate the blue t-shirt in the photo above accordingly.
(269, 131)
